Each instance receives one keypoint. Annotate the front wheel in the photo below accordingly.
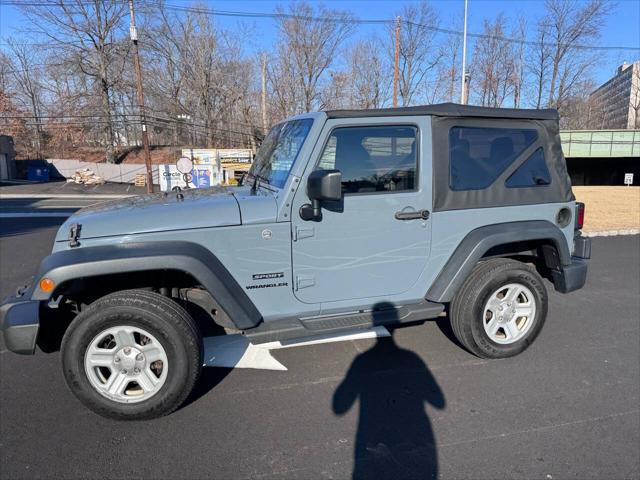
(500, 309)
(132, 355)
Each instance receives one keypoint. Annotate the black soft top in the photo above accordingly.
(449, 110)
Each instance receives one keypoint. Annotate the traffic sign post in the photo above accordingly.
(628, 179)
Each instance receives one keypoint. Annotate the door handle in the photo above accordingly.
(404, 215)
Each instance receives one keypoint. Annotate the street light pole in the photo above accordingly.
(136, 63)
(463, 99)
(395, 64)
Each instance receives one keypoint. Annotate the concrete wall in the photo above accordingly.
(8, 157)
(120, 173)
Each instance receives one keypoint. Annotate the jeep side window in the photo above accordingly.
(532, 173)
(478, 156)
(373, 159)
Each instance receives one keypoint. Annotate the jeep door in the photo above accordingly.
(376, 241)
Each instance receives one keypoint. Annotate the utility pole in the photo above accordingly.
(395, 64)
(463, 90)
(264, 93)
(143, 120)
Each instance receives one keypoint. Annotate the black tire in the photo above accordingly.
(467, 315)
(163, 318)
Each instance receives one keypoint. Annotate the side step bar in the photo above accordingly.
(289, 328)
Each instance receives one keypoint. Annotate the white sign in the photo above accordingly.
(184, 165)
(238, 155)
(201, 155)
(215, 155)
(202, 176)
(628, 178)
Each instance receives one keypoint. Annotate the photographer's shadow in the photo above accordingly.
(394, 437)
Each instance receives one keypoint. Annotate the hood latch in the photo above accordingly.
(74, 235)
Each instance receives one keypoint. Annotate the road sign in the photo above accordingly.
(184, 165)
(628, 178)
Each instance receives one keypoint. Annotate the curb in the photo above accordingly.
(612, 233)
(87, 196)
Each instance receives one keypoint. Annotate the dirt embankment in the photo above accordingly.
(610, 208)
(159, 155)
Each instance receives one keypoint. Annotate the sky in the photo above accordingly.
(622, 26)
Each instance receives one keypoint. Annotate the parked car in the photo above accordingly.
(430, 210)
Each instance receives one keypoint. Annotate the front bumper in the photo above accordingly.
(19, 324)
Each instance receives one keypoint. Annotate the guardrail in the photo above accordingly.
(600, 143)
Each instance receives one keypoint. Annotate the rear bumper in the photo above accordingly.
(19, 324)
(572, 277)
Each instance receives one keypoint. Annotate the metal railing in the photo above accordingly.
(600, 143)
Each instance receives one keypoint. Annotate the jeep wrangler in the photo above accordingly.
(439, 210)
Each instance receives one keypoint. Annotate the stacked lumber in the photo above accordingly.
(85, 176)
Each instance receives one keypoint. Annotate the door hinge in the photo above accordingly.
(302, 232)
(305, 281)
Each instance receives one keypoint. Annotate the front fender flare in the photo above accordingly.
(188, 257)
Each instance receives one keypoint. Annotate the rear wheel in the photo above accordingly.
(500, 309)
(132, 355)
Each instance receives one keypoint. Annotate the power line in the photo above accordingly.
(344, 20)
(121, 118)
(280, 15)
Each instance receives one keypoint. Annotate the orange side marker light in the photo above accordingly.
(47, 285)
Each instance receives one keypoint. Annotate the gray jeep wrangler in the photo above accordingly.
(347, 219)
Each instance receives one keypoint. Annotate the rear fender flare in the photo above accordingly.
(478, 242)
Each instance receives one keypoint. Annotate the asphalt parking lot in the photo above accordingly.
(566, 408)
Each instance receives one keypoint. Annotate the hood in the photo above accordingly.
(158, 212)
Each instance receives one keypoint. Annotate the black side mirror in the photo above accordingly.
(322, 186)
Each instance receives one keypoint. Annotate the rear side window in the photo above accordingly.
(373, 159)
(478, 156)
(532, 173)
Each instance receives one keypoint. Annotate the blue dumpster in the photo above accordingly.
(37, 173)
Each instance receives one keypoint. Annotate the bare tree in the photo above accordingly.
(570, 23)
(309, 40)
(28, 86)
(203, 85)
(364, 83)
(370, 82)
(164, 52)
(519, 61)
(338, 93)
(493, 64)
(449, 69)
(578, 109)
(419, 54)
(90, 33)
(539, 62)
(283, 84)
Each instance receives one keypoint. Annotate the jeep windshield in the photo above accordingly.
(279, 151)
